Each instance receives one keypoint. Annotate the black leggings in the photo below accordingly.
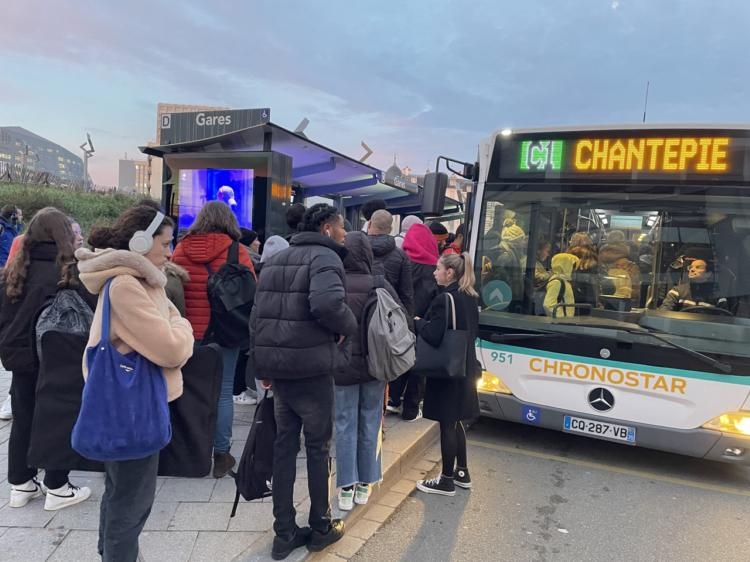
(452, 446)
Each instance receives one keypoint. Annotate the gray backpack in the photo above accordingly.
(67, 312)
(391, 345)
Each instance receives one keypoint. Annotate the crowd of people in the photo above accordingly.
(303, 342)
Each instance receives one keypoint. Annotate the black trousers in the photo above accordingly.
(302, 405)
(23, 402)
(129, 489)
(409, 390)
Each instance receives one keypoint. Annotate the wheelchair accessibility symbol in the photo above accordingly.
(531, 415)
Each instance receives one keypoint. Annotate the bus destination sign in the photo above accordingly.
(587, 157)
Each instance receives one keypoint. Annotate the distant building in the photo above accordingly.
(154, 165)
(22, 152)
(133, 176)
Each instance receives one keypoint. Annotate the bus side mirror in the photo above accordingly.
(433, 193)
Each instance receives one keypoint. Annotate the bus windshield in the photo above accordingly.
(672, 259)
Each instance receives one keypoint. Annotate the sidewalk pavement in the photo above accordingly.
(190, 517)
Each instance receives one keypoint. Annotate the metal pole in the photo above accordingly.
(645, 105)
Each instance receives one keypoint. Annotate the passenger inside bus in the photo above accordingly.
(697, 293)
(559, 287)
(621, 278)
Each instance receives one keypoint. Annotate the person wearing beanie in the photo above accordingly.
(422, 250)
(273, 246)
(406, 224)
(440, 233)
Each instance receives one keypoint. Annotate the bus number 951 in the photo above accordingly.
(501, 357)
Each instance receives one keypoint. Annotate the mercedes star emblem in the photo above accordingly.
(601, 399)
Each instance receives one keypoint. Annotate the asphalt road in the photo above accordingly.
(543, 495)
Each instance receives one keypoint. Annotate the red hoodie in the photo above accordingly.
(193, 253)
(420, 245)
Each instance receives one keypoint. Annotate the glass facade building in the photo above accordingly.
(22, 151)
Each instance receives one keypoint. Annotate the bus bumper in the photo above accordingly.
(702, 443)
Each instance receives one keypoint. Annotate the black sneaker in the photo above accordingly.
(223, 463)
(281, 548)
(461, 478)
(319, 541)
(441, 485)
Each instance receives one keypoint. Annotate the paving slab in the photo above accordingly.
(219, 547)
(29, 545)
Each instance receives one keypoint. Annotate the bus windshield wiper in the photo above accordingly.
(725, 367)
(513, 336)
(642, 331)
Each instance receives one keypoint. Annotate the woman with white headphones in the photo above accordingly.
(132, 253)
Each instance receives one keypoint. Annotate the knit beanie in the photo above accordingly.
(273, 246)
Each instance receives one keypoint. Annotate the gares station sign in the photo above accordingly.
(197, 125)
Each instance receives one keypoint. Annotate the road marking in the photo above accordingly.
(617, 469)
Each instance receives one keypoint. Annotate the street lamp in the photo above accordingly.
(88, 152)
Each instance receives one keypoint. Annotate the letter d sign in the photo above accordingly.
(166, 120)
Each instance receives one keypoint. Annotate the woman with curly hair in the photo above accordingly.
(44, 263)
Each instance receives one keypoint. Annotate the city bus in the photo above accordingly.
(643, 350)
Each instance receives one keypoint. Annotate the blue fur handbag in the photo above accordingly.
(124, 412)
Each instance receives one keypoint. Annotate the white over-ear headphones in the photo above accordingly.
(142, 240)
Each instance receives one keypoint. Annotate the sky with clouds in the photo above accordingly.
(416, 79)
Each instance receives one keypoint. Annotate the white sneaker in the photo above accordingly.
(6, 413)
(23, 493)
(65, 496)
(415, 418)
(346, 499)
(361, 494)
(243, 398)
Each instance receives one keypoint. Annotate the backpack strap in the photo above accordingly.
(233, 255)
(561, 291)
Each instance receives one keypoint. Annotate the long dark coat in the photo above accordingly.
(445, 400)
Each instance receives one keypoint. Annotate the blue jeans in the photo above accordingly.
(225, 409)
(359, 414)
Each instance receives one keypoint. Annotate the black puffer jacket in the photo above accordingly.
(300, 311)
(425, 287)
(17, 317)
(393, 263)
(360, 280)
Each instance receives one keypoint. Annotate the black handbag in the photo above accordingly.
(449, 360)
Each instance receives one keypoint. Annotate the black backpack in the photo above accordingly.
(231, 292)
(255, 471)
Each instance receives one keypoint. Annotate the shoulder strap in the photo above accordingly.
(452, 308)
(378, 281)
(233, 255)
(105, 312)
(561, 291)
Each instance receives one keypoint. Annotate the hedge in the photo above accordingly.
(88, 208)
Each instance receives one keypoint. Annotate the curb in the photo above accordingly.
(405, 444)
(400, 474)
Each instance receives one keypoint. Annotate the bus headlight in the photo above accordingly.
(492, 383)
(731, 422)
